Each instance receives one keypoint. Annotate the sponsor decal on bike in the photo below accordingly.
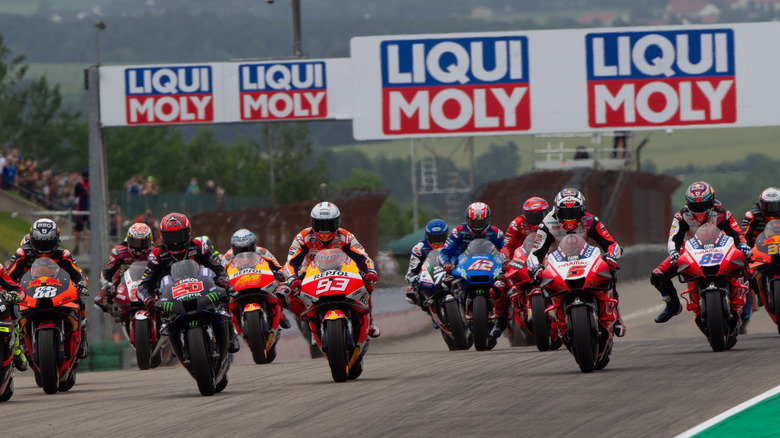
(186, 288)
(45, 281)
(477, 84)
(176, 94)
(678, 77)
(281, 91)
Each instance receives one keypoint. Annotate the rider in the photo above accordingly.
(44, 242)
(325, 233)
(244, 240)
(766, 209)
(534, 211)
(14, 295)
(700, 207)
(135, 248)
(205, 239)
(436, 232)
(477, 226)
(569, 217)
(177, 244)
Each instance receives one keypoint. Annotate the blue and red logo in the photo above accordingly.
(463, 85)
(682, 77)
(283, 91)
(177, 94)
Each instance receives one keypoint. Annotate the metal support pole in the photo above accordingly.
(296, 18)
(415, 214)
(98, 200)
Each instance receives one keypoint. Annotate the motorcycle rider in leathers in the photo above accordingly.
(436, 232)
(700, 207)
(324, 233)
(44, 242)
(178, 244)
(569, 217)
(534, 211)
(14, 295)
(244, 240)
(135, 248)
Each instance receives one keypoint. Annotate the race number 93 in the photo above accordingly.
(334, 285)
(44, 292)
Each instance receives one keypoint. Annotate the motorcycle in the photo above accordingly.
(51, 325)
(478, 268)
(257, 312)
(529, 303)
(713, 267)
(335, 300)
(442, 305)
(197, 323)
(765, 268)
(7, 345)
(580, 288)
(138, 324)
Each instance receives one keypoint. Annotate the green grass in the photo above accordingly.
(12, 229)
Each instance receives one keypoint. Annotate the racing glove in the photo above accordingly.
(149, 303)
(415, 282)
(447, 266)
(536, 272)
(611, 261)
(370, 277)
(411, 296)
(279, 275)
(13, 297)
(673, 256)
(745, 249)
(294, 283)
(283, 295)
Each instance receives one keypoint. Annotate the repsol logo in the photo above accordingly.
(179, 94)
(683, 77)
(455, 85)
(283, 91)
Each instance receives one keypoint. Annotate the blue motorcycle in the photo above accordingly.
(478, 268)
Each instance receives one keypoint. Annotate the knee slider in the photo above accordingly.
(657, 278)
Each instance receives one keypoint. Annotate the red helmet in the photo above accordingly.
(139, 239)
(478, 218)
(700, 199)
(175, 233)
(535, 209)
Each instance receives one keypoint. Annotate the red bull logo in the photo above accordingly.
(45, 281)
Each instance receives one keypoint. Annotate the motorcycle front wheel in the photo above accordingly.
(143, 353)
(539, 322)
(716, 322)
(255, 336)
(774, 290)
(337, 349)
(200, 363)
(479, 322)
(581, 329)
(47, 357)
(455, 324)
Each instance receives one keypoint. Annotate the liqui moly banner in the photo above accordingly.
(225, 92)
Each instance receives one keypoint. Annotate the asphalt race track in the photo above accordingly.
(662, 380)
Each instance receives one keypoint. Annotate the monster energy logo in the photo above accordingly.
(213, 297)
(167, 308)
(193, 323)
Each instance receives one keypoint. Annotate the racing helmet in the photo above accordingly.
(535, 209)
(325, 220)
(700, 199)
(478, 218)
(139, 238)
(769, 202)
(243, 240)
(175, 232)
(569, 208)
(44, 236)
(436, 232)
(205, 239)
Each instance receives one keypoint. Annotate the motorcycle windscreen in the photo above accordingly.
(572, 247)
(481, 247)
(246, 260)
(330, 259)
(185, 269)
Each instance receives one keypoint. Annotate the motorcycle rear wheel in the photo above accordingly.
(200, 363)
(539, 322)
(581, 328)
(222, 384)
(143, 352)
(8, 393)
(47, 356)
(479, 322)
(255, 336)
(337, 349)
(455, 324)
(716, 323)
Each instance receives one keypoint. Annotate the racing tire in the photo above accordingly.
(47, 357)
(581, 327)
(200, 362)
(716, 323)
(68, 383)
(255, 336)
(449, 341)
(143, 353)
(8, 393)
(337, 349)
(774, 290)
(539, 322)
(270, 355)
(222, 384)
(356, 370)
(455, 324)
(479, 322)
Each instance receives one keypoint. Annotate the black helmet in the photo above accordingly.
(769, 202)
(44, 236)
(243, 240)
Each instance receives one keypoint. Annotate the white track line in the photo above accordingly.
(736, 409)
(643, 312)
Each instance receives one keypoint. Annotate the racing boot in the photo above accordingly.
(83, 347)
(285, 323)
(619, 329)
(673, 307)
(20, 361)
(233, 345)
(373, 330)
(498, 328)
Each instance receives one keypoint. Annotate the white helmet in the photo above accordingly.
(325, 220)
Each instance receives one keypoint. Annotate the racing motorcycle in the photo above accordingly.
(478, 268)
(529, 304)
(257, 312)
(442, 305)
(713, 267)
(197, 323)
(139, 325)
(765, 268)
(7, 344)
(335, 300)
(580, 287)
(51, 325)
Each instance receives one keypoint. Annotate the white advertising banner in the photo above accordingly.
(562, 81)
(231, 92)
